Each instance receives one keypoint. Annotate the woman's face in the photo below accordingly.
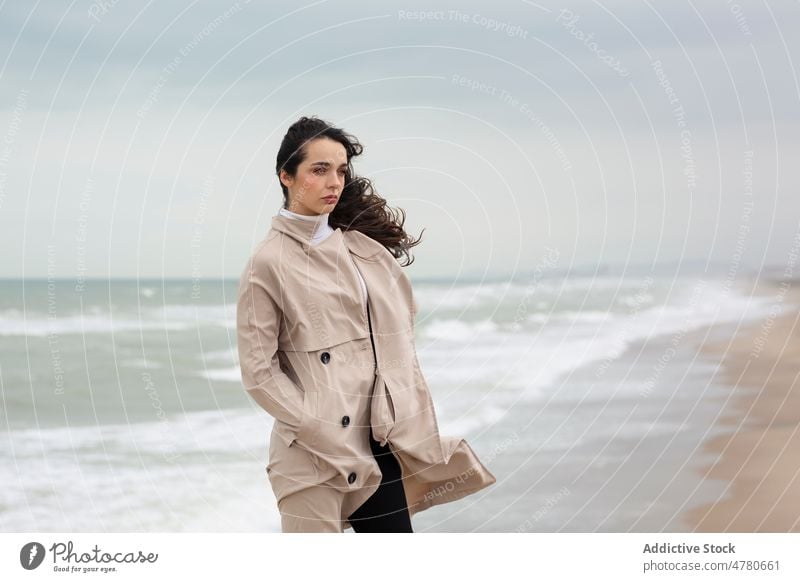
(320, 178)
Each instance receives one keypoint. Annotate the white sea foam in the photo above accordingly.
(168, 317)
(203, 471)
(533, 356)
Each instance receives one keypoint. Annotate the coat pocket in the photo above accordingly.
(291, 468)
(390, 401)
(309, 423)
(294, 466)
(382, 411)
(308, 429)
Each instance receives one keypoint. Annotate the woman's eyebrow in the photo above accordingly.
(326, 164)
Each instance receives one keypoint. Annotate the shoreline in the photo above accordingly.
(758, 452)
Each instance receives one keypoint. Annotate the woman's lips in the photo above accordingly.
(331, 199)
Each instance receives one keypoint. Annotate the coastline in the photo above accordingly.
(758, 452)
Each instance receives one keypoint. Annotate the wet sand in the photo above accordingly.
(759, 454)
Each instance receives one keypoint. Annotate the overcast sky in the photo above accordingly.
(140, 140)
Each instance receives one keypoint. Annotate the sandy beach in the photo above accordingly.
(759, 455)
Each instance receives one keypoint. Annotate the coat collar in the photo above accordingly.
(303, 232)
(300, 230)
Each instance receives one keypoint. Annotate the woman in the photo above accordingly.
(325, 330)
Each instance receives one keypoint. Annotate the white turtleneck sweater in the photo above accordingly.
(321, 232)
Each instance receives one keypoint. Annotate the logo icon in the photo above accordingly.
(31, 555)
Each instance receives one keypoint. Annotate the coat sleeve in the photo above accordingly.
(257, 328)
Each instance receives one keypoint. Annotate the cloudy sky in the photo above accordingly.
(139, 140)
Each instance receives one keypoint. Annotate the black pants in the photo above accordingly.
(386, 511)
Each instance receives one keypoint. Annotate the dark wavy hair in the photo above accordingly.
(359, 207)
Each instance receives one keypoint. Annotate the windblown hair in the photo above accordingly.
(359, 207)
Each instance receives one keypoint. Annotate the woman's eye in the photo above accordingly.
(321, 171)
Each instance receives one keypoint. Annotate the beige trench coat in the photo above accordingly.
(300, 313)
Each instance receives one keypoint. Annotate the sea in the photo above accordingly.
(588, 398)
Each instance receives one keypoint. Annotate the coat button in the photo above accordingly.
(351, 478)
(325, 357)
(345, 420)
